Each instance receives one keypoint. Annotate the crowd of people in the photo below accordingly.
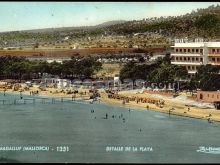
(126, 99)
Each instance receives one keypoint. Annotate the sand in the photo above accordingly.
(179, 105)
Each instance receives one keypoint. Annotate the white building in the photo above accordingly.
(63, 83)
(59, 83)
(194, 54)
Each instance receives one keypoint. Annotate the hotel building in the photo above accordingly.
(194, 54)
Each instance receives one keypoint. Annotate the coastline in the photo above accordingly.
(180, 108)
(194, 112)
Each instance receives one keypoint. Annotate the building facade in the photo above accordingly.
(209, 97)
(194, 54)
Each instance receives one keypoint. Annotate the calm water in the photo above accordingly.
(172, 139)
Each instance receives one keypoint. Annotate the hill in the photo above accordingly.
(203, 23)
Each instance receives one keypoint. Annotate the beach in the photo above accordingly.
(173, 106)
(105, 132)
(135, 136)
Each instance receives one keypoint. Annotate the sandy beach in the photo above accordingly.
(178, 107)
(172, 106)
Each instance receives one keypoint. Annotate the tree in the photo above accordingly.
(141, 59)
(205, 77)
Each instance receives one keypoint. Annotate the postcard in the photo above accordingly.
(109, 82)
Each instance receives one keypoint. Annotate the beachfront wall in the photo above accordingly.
(208, 96)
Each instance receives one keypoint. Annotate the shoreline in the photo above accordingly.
(178, 112)
(195, 112)
(156, 110)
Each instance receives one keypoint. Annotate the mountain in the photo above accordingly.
(110, 23)
(203, 23)
(77, 28)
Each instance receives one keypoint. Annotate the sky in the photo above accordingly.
(37, 15)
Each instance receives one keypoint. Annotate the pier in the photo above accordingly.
(43, 100)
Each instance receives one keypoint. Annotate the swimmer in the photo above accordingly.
(209, 120)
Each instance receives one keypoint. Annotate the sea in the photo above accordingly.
(36, 129)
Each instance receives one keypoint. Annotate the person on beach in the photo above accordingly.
(106, 116)
(147, 107)
(21, 97)
(169, 111)
(188, 108)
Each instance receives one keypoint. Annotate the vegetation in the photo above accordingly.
(21, 68)
(207, 78)
(161, 71)
(201, 23)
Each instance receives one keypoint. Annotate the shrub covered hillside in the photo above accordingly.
(201, 23)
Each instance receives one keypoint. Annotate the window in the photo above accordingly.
(184, 50)
(180, 58)
(188, 59)
(180, 50)
(213, 59)
(188, 50)
(184, 58)
(201, 50)
(200, 59)
(196, 58)
(193, 59)
(218, 59)
(193, 67)
(177, 50)
(177, 58)
(213, 50)
(193, 50)
(197, 50)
